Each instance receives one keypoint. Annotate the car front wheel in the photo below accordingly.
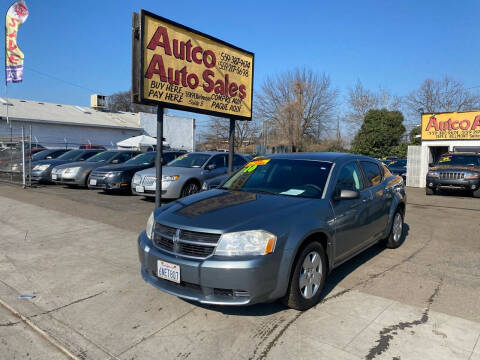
(395, 238)
(307, 278)
(190, 188)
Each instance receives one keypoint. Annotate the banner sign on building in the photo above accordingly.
(184, 69)
(16, 16)
(451, 126)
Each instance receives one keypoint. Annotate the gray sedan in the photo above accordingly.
(77, 173)
(184, 175)
(274, 230)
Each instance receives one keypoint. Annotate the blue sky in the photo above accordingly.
(392, 44)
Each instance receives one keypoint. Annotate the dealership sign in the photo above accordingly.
(181, 68)
(451, 126)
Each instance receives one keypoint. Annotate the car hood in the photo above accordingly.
(83, 164)
(454, 168)
(123, 167)
(225, 211)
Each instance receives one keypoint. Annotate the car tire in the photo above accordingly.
(306, 267)
(429, 191)
(396, 237)
(476, 193)
(189, 188)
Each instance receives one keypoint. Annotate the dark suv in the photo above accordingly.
(455, 171)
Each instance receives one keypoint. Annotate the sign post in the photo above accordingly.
(176, 67)
(231, 145)
(159, 159)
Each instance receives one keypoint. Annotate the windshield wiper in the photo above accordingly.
(262, 191)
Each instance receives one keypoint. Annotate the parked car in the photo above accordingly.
(398, 167)
(213, 183)
(274, 230)
(42, 169)
(77, 173)
(184, 175)
(92, 146)
(48, 154)
(119, 177)
(455, 171)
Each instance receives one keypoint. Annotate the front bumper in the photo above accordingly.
(214, 280)
(108, 183)
(170, 190)
(44, 175)
(453, 184)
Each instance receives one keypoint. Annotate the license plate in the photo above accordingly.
(54, 176)
(168, 271)
(93, 181)
(139, 188)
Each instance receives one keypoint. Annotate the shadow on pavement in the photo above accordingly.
(333, 279)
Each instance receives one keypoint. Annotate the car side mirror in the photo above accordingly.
(211, 167)
(347, 195)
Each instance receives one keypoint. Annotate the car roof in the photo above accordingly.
(463, 153)
(320, 156)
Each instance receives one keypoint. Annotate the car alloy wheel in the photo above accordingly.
(190, 189)
(397, 227)
(310, 278)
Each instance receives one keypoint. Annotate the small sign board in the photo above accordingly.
(181, 68)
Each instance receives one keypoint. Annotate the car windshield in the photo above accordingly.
(102, 157)
(143, 159)
(302, 178)
(71, 155)
(463, 160)
(190, 160)
(40, 155)
(397, 163)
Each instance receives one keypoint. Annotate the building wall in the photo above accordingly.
(179, 132)
(53, 135)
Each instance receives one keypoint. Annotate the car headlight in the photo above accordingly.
(136, 179)
(149, 228)
(114, 173)
(170, 178)
(41, 167)
(254, 242)
(204, 186)
(471, 175)
(72, 170)
(433, 174)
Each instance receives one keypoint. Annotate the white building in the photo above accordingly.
(59, 125)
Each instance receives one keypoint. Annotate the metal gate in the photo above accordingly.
(16, 157)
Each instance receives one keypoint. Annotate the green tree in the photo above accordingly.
(414, 138)
(380, 133)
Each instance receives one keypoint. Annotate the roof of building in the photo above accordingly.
(44, 112)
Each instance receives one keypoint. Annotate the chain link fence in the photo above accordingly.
(15, 156)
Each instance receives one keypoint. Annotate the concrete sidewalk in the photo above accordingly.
(90, 298)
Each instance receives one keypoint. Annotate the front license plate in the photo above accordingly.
(168, 271)
(93, 181)
(139, 188)
(54, 176)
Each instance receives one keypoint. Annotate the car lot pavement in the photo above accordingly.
(75, 250)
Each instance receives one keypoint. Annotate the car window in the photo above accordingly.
(349, 178)
(459, 160)
(87, 155)
(190, 160)
(167, 157)
(238, 160)
(122, 157)
(372, 172)
(220, 161)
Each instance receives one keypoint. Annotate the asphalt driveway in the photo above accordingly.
(75, 250)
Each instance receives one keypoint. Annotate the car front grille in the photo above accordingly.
(149, 181)
(452, 175)
(184, 242)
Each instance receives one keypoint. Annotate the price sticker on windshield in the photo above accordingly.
(446, 159)
(252, 165)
